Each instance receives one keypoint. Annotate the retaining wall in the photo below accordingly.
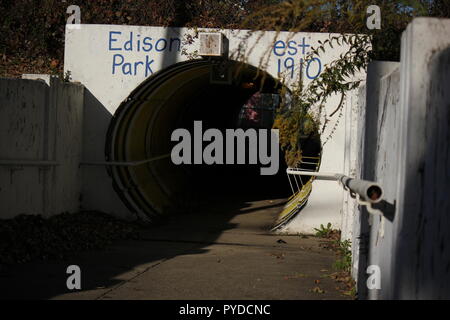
(41, 141)
(403, 143)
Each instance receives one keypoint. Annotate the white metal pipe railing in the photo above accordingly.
(367, 190)
(28, 163)
(49, 163)
(123, 163)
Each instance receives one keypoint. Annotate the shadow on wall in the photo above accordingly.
(98, 189)
(97, 192)
(368, 158)
(410, 243)
(423, 248)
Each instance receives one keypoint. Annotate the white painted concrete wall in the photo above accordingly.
(93, 52)
(378, 157)
(404, 146)
(421, 258)
(40, 123)
(367, 139)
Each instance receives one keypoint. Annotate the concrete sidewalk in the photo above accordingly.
(224, 253)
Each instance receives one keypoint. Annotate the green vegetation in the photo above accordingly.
(33, 40)
(334, 243)
(33, 30)
(344, 263)
(324, 232)
(342, 248)
(347, 18)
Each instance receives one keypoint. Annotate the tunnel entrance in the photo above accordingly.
(174, 98)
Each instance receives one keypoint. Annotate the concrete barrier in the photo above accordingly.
(378, 162)
(403, 145)
(421, 252)
(40, 139)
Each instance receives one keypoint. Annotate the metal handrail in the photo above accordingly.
(29, 163)
(367, 190)
(123, 163)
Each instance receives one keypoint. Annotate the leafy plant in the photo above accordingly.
(324, 232)
(348, 19)
(344, 263)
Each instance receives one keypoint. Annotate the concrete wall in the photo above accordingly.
(96, 190)
(325, 204)
(404, 133)
(421, 260)
(377, 161)
(92, 53)
(40, 146)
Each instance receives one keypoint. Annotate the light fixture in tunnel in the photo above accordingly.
(220, 72)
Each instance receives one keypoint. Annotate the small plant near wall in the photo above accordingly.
(343, 266)
(324, 232)
(344, 263)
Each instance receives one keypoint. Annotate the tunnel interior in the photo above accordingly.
(174, 98)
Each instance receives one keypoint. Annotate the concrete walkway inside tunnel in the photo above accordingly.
(228, 253)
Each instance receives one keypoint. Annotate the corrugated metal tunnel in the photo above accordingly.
(173, 98)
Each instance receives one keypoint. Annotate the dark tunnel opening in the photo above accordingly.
(239, 104)
(174, 98)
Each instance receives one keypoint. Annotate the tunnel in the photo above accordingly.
(174, 98)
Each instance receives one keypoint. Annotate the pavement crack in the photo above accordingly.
(204, 242)
(131, 279)
(236, 244)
